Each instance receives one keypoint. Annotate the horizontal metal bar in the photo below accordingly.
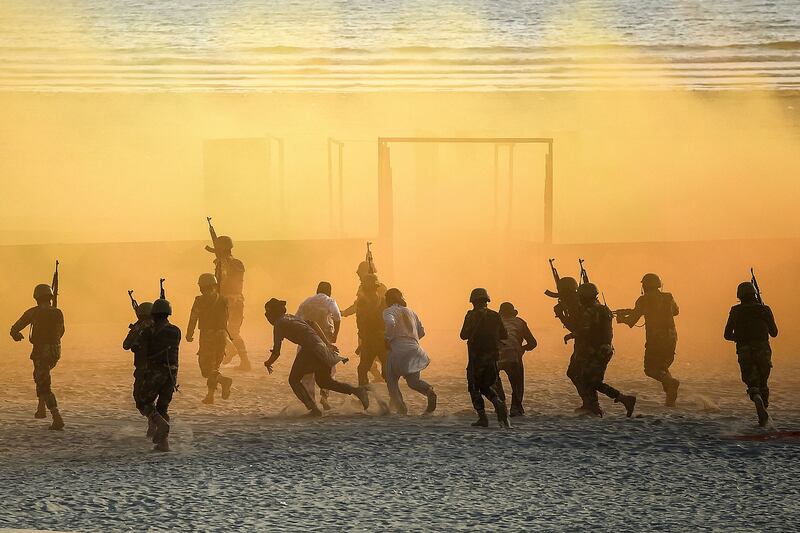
(481, 140)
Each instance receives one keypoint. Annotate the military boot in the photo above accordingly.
(502, 414)
(763, 415)
(323, 399)
(41, 412)
(363, 396)
(671, 388)
(162, 427)
(209, 399)
(482, 422)
(151, 428)
(628, 401)
(432, 399)
(58, 422)
(162, 445)
(225, 383)
(314, 412)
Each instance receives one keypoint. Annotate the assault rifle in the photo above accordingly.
(215, 248)
(556, 278)
(369, 259)
(584, 276)
(54, 286)
(754, 281)
(134, 303)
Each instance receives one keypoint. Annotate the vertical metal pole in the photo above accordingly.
(548, 194)
(510, 189)
(341, 193)
(330, 184)
(282, 182)
(385, 205)
(496, 186)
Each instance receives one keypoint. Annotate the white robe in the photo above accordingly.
(403, 332)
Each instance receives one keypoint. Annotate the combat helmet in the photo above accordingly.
(746, 291)
(161, 307)
(566, 285)
(507, 309)
(651, 281)
(207, 280)
(364, 269)
(42, 292)
(588, 291)
(144, 310)
(222, 244)
(479, 295)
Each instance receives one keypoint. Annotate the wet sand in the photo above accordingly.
(254, 463)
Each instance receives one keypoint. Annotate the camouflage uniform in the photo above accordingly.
(567, 310)
(160, 344)
(659, 310)
(47, 328)
(370, 305)
(231, 271)
(211, 312)
(131, 342)
(593, 351)
(483, 330)
(511, 360)
(750, 325)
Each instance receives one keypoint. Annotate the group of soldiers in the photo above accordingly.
(389, 334)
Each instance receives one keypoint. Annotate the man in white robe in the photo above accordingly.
(406, 357)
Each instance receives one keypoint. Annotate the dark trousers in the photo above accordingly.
(482, 376)
(307, 362)
(235, 320)
(211, 354)
(755, 363)
(516, 377)
(45, 357)
(659, 354)
(369, 351)
(592, 364)
(155, 392)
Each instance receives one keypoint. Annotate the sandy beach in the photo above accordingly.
(254, 462)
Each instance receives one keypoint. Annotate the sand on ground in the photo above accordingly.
(255, 463)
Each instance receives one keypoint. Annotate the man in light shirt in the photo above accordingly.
(324, 311)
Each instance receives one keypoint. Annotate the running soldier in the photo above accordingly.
(750, 325)
(483, 330)
(230, 273)
(315, 355)
(370, 305)
(210, 310)
(567, 310)
(366, 271)
(324, 311)
(661, 337)
(520, 340)
(593, 351)
(160, 344)
(47, 328)
(132, 343)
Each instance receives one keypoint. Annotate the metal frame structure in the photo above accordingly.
(339, 146)
(386, 195)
